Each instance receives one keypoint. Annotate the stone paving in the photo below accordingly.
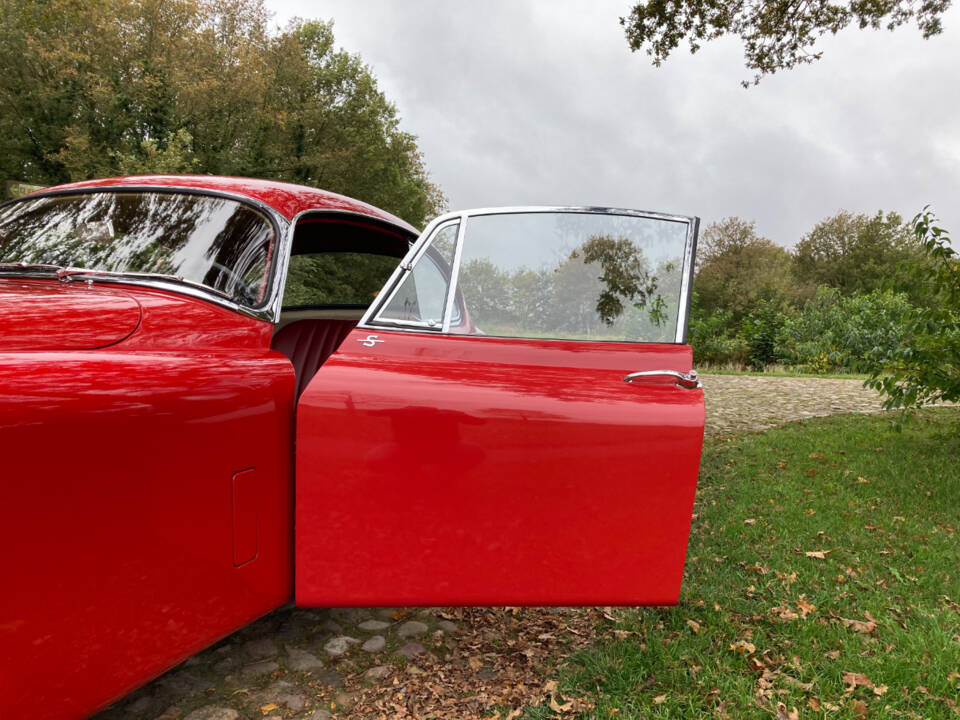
(316, 664)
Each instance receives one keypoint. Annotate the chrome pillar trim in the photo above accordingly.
(454, 276)
(369, 319)
(686, 282)
(685, 380)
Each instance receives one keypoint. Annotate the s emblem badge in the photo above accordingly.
(370, 341)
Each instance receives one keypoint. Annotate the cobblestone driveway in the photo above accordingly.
(317, 664)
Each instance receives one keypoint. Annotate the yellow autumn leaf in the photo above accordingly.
(269, 707)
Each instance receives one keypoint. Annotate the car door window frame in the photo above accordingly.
(372, 320)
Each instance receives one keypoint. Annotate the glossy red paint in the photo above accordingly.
(285, 198)
(45, 316)
(117, 543)
(440, 470)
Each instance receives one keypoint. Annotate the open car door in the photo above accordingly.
(513, 422)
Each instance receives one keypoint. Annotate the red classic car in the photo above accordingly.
(221, 394)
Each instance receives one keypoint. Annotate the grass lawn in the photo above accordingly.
(823, 575)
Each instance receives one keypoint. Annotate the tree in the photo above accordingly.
(855, 253)
(924, 367)
(104, 87)
(776, 35)
(738, 269)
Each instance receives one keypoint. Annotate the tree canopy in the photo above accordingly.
(776, 35)
(855, 253)
(738, 269)
(105, 87)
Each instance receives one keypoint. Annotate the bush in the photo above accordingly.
(834, 332)
(925, 367)
(715, 341)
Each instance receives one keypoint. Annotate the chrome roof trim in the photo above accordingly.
(268, 310)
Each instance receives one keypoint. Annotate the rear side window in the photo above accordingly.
(336, 279)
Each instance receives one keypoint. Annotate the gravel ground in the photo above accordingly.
(407, 663)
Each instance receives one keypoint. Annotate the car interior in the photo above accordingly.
(337, 267)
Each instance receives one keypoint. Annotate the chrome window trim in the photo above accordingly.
(268, 310)
(370, 320)
(686, 282)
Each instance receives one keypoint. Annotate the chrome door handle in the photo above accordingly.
(685, 380)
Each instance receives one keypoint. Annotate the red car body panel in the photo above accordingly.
(147, 485)
(455, 470)
(118, 465)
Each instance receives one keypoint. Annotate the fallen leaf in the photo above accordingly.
(694, 625)
(558, 708)
(742, 646)
(861, 479)
(865, 627)
(269, 707)
(811, 472)
(784, 613)
(750, 521)
(832, 654)
(854, 680)
(550, 686)
(858, 708)
(796, 683)
(784, 714)
(815, 704)
(514, 714)
(659, 699)
(818, 554)
(805, 608)
(880, 690)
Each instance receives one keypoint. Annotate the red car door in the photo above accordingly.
(515, 421)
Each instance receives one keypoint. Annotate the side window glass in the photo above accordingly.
(422, 294)
(574, 276)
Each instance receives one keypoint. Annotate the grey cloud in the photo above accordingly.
(542, 103)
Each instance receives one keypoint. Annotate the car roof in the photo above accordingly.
(286, 198)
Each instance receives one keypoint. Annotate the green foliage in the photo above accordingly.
(103, 87)
(855, 253)
(336, 278)
(775, 35)
(925, 366)
(760, 331)
(715, 340)
(838, 332)
(737, 269)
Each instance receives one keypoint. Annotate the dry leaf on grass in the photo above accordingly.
(865, 627)
(817, 554)
(854, 680)
(742, 646)
(694, 625)
(784, 714)
(659, 699)
(269, 707)
(858, 708)
(804, 607)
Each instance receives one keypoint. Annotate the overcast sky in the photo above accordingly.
(517, 102)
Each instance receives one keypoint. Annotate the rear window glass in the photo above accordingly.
(213, 241)
(342, 278)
